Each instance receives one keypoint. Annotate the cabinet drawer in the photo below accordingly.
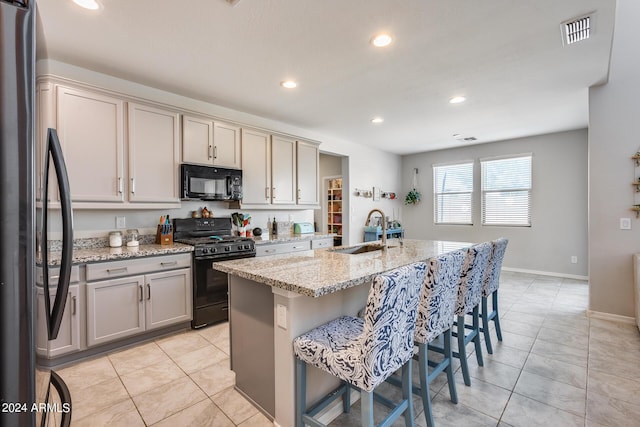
(54, 273)
(111, 269)
(321, 243)
(282, 248)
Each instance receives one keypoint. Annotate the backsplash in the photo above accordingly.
(97, 242)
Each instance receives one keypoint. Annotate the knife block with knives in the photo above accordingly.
(164, 234)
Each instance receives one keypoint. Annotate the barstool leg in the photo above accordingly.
(448, 355)
(406, 393)
(496, 319)
(485, 325)
(346, 399)
(476, 337)
(301, 391)
(367, 408)
(423, 368)
(462, 352)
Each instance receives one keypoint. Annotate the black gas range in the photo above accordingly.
(213, 241)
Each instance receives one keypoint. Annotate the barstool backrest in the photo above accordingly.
(438, 296)
(390, 321)
(492, 280)
(472, 277)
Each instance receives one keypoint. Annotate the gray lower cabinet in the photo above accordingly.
(282, 248)
(127, 306)
(69, 335)
(115, 309)
(68, 339)
(322, 243)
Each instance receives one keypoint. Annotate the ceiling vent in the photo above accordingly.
(577, 29)
(232, 2)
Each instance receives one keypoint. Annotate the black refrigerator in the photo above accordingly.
(30, 395)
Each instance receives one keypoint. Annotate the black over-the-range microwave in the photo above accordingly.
(210, 183)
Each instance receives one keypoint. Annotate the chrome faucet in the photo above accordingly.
(384, 225)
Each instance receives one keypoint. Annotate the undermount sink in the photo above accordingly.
(360, 249)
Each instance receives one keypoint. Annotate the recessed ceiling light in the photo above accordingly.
(381, 40)
(457, 136)
(289, 84)
(457, 100)
(88, 4)
(377, 120)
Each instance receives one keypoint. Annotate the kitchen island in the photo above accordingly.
(274, 299)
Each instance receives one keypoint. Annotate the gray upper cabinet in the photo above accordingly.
(154, 154)
(209, 142)
(308, 158)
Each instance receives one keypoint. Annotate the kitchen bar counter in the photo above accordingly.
(320, 272)
(83, 256)
(274, 299)
(281, 238)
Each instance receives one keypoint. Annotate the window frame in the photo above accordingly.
(471, 192)
(483, 192)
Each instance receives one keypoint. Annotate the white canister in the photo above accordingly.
(115, 239)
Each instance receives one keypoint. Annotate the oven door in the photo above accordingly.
(210, 292)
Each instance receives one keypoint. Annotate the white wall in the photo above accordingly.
(559, 202)
(365, 167)
(614, 110)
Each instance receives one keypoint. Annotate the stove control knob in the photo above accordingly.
(247, 246)
(205, 250)
(239, 247)
(213, 250)
(227, 248)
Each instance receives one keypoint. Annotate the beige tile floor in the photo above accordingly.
(555, 367)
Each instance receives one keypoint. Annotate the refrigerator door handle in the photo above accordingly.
(54, 314)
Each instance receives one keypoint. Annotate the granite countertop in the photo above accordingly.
(288, 237)
(320, 272)
(82, 256)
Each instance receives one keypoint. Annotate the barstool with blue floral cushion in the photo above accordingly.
(364, 352)
(490, 289)
(435, 318)
(468, 302)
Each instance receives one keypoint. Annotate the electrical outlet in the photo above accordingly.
(625, 223)
(574, 259)
(121, 222)
(281, 315)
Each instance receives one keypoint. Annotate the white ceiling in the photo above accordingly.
(505, 56)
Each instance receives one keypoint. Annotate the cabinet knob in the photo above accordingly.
(209, 152)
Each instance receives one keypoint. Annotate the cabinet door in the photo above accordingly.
(115, 309)
(197, 140)
(90, 127)
(308, 160)
(69, 335)
(154, 142)
(256, 171)
(168, 298)
(226, 145)
(45, 118)
(283, 171)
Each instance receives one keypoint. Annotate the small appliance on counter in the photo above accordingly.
(303, 228)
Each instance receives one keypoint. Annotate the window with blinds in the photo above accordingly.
(506, 191)
(453, 193)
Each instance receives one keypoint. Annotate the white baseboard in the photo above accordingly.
(612, 317)
(546, 273)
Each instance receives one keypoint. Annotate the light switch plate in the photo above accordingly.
(625, 223)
